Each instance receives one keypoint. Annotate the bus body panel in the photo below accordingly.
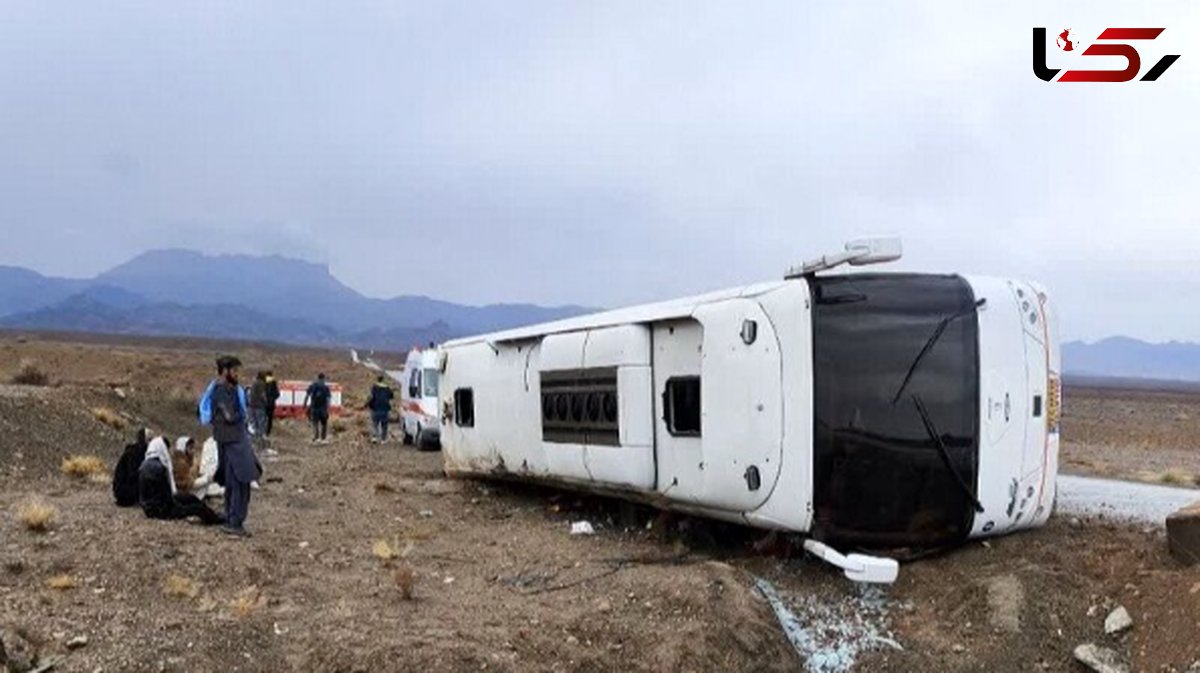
(755, 400)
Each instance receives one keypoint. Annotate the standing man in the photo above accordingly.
(224, 406)
(272, 398)
(380, 404)
(316, 403)
(258, 409)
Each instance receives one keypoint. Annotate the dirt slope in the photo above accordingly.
(500, 584)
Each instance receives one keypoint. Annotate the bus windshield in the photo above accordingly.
(896, 387)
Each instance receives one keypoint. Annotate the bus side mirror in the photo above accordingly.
(874, 250)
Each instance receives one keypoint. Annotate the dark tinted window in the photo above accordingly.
(879, 475)
(683, 405)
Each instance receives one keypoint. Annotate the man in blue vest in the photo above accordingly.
(224, 407)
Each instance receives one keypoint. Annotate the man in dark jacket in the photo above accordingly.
(228, 404)
(258, 408)
(272, 398)
(316, 402)
(380, 404)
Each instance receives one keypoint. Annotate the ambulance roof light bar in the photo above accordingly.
(859, 252)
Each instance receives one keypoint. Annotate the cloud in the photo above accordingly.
(603, 153)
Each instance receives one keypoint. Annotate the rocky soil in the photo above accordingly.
(497, 581)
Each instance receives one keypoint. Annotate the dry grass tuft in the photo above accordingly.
(406, 581)
(384, 550)
(247, 602)
(109, 417)
(30, 375)
(1177, 477)
(179, 586)
(338, 426)
(83, 467)
(37, 516)
(62, 582)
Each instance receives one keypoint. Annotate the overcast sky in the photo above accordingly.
(606, 153)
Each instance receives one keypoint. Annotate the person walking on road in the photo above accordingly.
(316, 403)
(224, 407)
(272, 398)
(258, 409)
(380, 404)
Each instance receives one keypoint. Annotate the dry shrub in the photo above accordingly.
(182, 401)
(109, 417)
(62, 582)
(406, 580)
(30, 374)
(384, 550)
(338, 425)
(179, 586)
(1177, 477)
(37, 516)
(83, 467)
(248, 601)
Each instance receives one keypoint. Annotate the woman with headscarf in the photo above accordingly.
(157, 490)
(125, 476)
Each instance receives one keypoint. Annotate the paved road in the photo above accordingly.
(1147, 503)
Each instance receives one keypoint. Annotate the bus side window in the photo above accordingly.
(464, 407)
(681, 408)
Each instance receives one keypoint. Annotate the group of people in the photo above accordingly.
(170, 481)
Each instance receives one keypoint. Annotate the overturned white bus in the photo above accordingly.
(869, 409)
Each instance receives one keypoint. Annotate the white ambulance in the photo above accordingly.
(419, 399)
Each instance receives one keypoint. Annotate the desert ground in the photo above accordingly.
(366, 558)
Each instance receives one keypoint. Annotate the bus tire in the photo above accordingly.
(426, 442)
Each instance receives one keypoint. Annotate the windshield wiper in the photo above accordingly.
(933, 339)
(945, 453)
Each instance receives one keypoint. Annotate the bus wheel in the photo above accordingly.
(426, 441)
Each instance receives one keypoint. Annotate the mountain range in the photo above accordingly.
(271, 298)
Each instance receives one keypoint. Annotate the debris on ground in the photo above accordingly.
(1006, 602)
(1117, 621)
(1100, 659)
(1183, 533)
(582, 528)
(830, 634)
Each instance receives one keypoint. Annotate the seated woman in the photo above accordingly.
(125, 476)
(157, 490)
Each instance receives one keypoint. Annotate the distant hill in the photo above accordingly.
(1123, 357)
(186, 293)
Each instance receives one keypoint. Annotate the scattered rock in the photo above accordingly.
(1006, 602)
(1183, 533)
(958, 648)
(77, 642)
(426, 513)
(1117, 621)
(1100, 659)
(582, 528)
